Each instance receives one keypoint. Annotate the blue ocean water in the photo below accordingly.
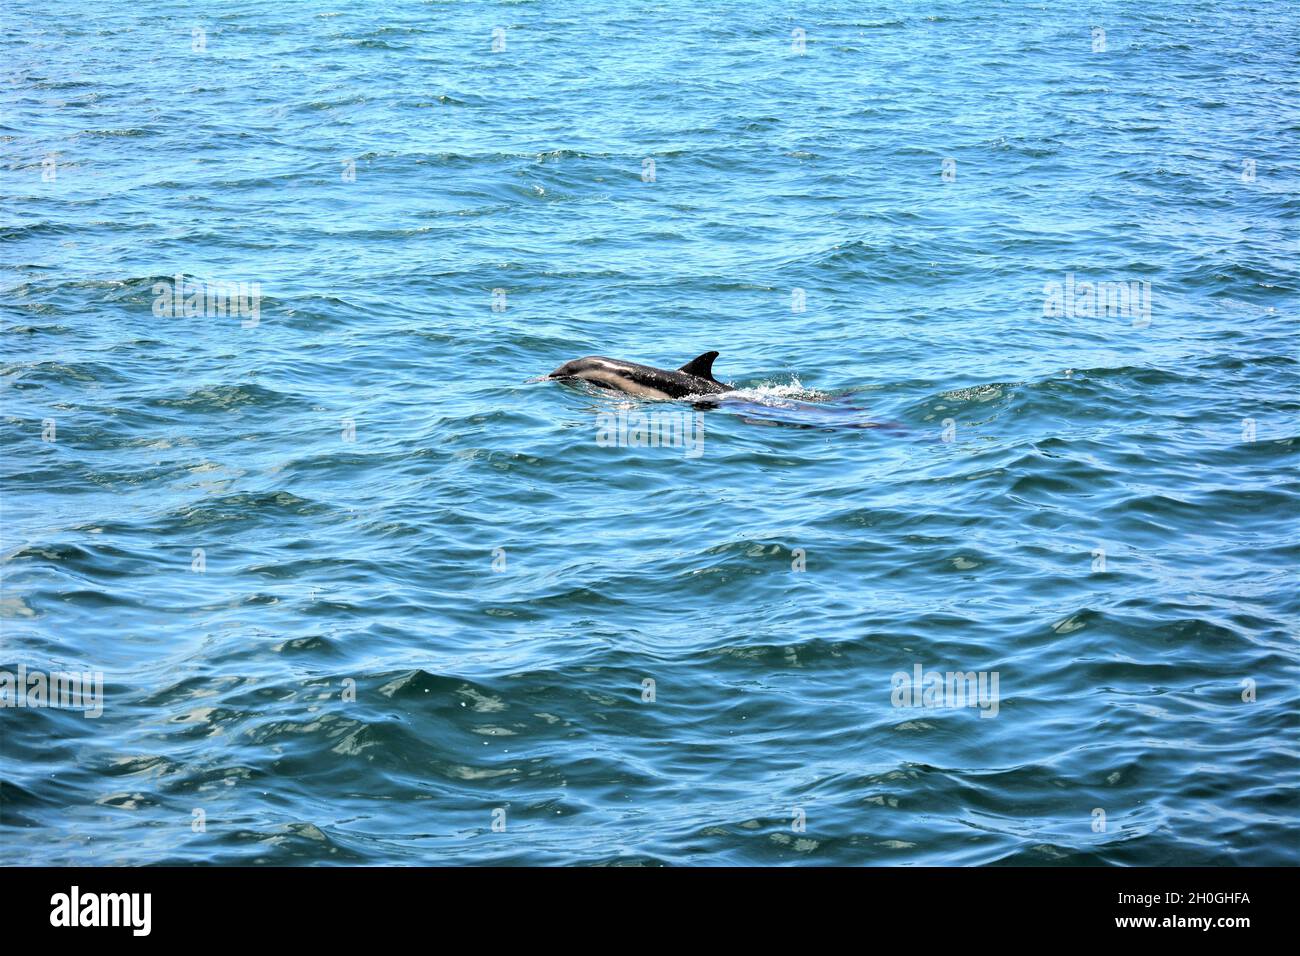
(364, 588)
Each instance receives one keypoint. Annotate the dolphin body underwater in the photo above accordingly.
(645, 381)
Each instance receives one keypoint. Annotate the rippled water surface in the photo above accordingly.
(481, 633)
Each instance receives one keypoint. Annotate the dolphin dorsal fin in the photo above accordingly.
(701, 365)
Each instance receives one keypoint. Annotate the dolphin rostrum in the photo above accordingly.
(644, 381)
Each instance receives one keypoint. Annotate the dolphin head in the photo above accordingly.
(569, 369)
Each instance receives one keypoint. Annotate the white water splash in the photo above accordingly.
(777, 393)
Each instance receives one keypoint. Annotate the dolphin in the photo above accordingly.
(645, 381)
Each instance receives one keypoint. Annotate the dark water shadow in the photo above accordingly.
(834, 413)
(838, 412)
